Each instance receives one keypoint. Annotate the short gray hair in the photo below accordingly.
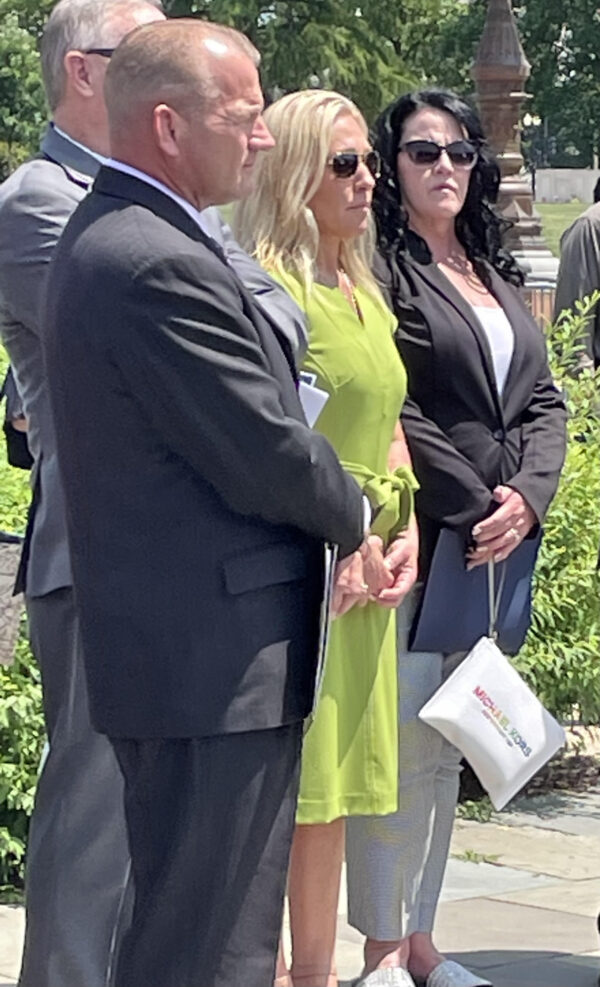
(76, 25)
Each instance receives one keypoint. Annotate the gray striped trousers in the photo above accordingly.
(395, 864)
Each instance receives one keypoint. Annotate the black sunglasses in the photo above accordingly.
(462, 153)
(105, 52)
(345, 163)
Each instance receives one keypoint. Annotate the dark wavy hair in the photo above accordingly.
(478, 227)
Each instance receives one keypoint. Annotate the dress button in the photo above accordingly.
(499, 435)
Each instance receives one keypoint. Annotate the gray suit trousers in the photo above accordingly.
(210, 823)
(78, 856)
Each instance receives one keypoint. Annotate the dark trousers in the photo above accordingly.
(77, 856)
(210, 824)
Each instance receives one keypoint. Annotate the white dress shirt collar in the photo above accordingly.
(185, 205)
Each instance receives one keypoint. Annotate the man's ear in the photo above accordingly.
(77, 71)
(168, 127)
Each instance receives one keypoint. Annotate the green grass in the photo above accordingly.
(473, 857)
(556, 217)
(477, 810)
(11, 896)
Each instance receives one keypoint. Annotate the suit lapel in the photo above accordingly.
(123, 186)
(444, 287)
(268, 330)
(83, 167)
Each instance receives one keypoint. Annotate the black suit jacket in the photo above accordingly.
(463, 436)
(198, 500)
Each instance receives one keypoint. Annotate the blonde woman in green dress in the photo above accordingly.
(308, 222)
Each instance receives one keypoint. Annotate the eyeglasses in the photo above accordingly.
(345, 163)
(105, 52)
(462, 153)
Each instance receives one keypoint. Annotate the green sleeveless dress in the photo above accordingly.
(350, 755)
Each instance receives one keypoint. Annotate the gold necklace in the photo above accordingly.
(349, 292)
(464, 271)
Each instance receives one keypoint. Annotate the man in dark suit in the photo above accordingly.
(77, 856)
(198, 502)
(77, 849)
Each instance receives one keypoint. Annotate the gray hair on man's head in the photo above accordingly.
(76, 25)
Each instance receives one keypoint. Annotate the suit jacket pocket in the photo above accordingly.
(265, 566)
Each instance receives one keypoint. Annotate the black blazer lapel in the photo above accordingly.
(442, 286)
(268, 330)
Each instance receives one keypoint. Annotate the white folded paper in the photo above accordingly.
(313, 400)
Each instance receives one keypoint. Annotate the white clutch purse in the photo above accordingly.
(486, 710)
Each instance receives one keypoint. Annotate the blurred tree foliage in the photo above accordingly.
(371, 50)
(22, 104)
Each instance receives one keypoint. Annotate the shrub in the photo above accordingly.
(11, 156)
(561, 655)
(21, 741)
(21, 723)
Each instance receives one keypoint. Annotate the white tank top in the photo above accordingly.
(501, 340)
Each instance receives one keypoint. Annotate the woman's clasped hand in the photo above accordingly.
(376, 574)
(499, 534)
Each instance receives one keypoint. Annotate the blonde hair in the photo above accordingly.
(274, 223)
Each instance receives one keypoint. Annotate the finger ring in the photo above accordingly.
(364, 585)
(514, 533)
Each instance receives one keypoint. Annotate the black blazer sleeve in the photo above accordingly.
(452, 493)
(540, 409)
(198, 360)
(543, 444)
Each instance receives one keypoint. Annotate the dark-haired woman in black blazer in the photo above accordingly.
(486, 431)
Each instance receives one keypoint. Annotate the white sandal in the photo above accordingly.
(393, 976)
(451, 974)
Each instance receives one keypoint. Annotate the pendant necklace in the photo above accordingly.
(347, 288)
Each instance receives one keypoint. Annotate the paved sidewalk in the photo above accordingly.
(519, 904)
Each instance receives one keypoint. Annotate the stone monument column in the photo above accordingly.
(500, 71)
